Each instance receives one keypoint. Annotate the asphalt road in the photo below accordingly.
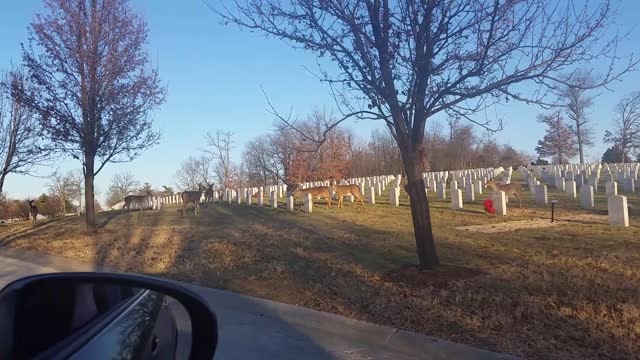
(253, 328)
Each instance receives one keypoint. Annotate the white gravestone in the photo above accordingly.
(469, 195)
(371, 195)
(541, 195)
(570, 187)
(274, 199)
(307, 203)
(611, 188)
(442, 194)
(628, 185)
(478, 187)
(394, 196)
(586, 196)
(499, 202)
(456, 199)
(290, 201)
(618, 210)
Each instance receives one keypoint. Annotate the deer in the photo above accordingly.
(192, 197)
(208, 194)
(33, 212)
(316, 192)
(129, 200)
(509, 189)
(342, 190)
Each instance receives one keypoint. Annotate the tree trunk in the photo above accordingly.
(90, 213)
(425, 244)
(2, 177)
(580, 147)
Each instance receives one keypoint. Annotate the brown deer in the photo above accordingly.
(192, 197)
(316, 192)
(509, 189)
(208, 194)
(342, 190)
(33, 212)
(129, 200)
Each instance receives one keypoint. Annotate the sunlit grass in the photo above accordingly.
(568, 291)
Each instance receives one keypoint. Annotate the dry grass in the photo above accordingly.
(567, 291)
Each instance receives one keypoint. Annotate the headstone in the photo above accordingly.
(261, 196)
(238, 197)
(442, 194)
(290, 202)
(628, 185)
(579, 180)
(586, 196)
(274, 199)
(593, 181)
(478, 187)
(611, 188)
(469, 195)
(541, 195)
(570, 188)
(394, 196)
(618, 210)
(453, 184)
(560, 183)
(456, 199)
(371, 195)
(307, 203)
(248, 197)
(499, 202)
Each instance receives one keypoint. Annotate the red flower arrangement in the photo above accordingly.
(488, 206)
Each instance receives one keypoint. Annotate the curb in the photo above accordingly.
(303, 319)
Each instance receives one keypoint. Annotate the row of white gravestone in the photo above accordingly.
(617, 207)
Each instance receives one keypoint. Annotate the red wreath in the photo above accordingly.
(488, 206)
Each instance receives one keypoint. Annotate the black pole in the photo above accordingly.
(553, 208)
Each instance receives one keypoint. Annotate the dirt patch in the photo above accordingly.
(535, 223)
(411, 276)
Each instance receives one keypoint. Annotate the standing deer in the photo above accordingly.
(509, 189)
(342, 190)
(192, 197)
(208, 194)
(316, 192)
(33, 212)
(129, 200)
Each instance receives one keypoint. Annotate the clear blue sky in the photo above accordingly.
(214, 72)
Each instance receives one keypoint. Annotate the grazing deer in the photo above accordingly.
(33, 212)
(192, 197)
(509, 189)
(316, 192)
(342, 190)
(129, 200)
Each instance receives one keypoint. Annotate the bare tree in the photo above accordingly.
(625, 134)
(122, 184)
(219, 149)
(192, 172)
(402, 62)
(576, 98)
(167, 190)
(21, 144)
(146, 189)
(64, 187)
(95, 89)
(559, 143)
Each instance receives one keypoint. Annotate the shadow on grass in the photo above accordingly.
(529, 302)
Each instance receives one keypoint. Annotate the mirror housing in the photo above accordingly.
(204, 329)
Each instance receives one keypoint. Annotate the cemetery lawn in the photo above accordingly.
(569, 291)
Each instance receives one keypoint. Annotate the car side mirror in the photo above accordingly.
(104, 315)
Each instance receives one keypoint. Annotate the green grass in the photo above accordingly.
(569, 291)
